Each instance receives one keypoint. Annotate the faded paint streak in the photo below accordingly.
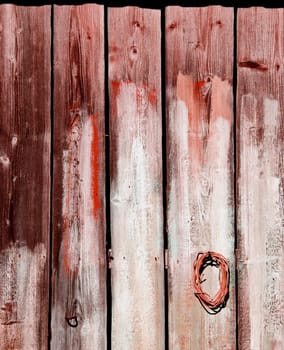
(21, 273)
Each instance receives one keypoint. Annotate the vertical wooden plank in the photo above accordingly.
(200, 214)
(260, 104)
(136, 178)
(24, 176)
(79, 266)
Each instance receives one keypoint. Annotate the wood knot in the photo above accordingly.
(253, 65)
(72, 318)
(72, 321)
(133, 55)
(172, 25)
(136, 24)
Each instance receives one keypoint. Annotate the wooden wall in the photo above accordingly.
(155, 141)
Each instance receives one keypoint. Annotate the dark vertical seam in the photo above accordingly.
(107, 181)
(164, 169)
(235, 169)
(51, 173)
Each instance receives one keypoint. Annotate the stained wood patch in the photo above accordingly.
(79, 266)
(136, 178)
(200, 208)
(24, 176)
(260, 104)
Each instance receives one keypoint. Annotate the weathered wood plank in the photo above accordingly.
(79, 266)
(260, 104)
(136, 179)
(200, 210)
(24, 176)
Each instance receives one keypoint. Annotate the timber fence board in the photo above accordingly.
(79, 261)
(24, 176)
(260, 104)
(136, 179)
(200, 208)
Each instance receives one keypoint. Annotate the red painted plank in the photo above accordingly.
(260, 104)
(200, 210)
(79, 266)
(136, 179)
(24, 176)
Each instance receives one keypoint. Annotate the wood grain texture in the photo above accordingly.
(136, 179)
(260, 104)
(24, 176)
(200, 208)
(79, 264)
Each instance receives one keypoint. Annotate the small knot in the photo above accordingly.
(72, 321)
(172, 25)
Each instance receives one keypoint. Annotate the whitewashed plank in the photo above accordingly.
(260, 178)
(200, 209)
(136, 179)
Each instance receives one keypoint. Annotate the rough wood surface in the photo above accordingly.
(136, 179)
(260, 104)
(79, 266)
(24, 176)
(200, 209)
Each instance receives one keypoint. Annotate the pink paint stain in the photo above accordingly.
(195, 95)
(142, 91)
(189, 91)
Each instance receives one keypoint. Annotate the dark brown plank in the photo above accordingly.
(260, 108)
(200, 208)
(136, 179)
(24, 176)
(79, 266)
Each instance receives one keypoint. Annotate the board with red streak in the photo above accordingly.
(25, 40)
(200, 197)
(260, 178)
(78, 310)
(137, 275)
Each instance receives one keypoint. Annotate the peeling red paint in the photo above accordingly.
(199, 84)
(115, 87)
(152, 96)
(95, 166)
